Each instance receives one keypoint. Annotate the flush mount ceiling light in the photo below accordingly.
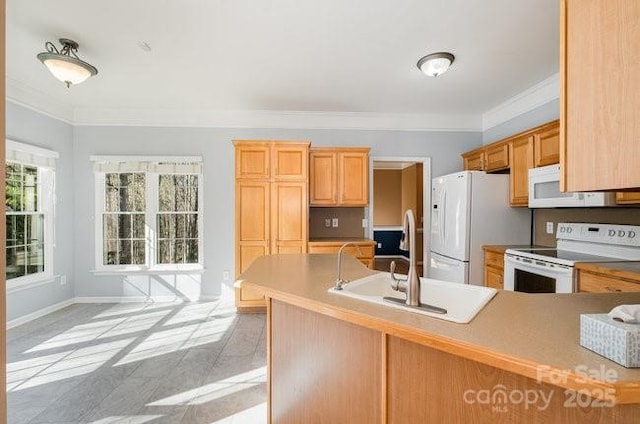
(435, 64)
(65, 64)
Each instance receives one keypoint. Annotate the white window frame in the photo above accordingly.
(44, 160)
(127, 164)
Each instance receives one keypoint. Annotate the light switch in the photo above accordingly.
(327, 223)
(549, 227)
(334, 222)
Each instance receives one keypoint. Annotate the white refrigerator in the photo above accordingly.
(468, 210)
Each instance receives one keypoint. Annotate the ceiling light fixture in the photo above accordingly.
(435, 64)
(65, 64)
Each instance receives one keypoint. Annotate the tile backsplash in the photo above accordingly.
(349, 222)
(629, 216)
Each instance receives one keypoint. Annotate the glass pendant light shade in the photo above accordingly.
(436, 63)
(65, 64)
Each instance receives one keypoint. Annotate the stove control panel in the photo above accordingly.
(621, 235)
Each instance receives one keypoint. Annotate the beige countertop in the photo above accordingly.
(333, 240)
(500, 248)
(518, 332)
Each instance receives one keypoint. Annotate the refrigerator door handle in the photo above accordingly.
(443, 217)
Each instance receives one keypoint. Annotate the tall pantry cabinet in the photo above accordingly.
(271, 211)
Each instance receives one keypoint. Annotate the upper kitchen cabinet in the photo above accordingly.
(339, 176)
(521, 158)
(494, 157)
(275, 161)
(599, 101)
(546, 146)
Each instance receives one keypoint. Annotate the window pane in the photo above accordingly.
(30, 186)
(111, 197)
(178, 193)
(166, 193)
(35, 258)
(164, 252)
(35, 228)
(110, 226)
(124, 252)
(13, 187)
(124, 226)
(138, 226)
(179, 248)
(139, 252)
(124, 192)
(191, 226)
(180, 225)
(110, 250)
(192, 252)
(15, 262)
(15, 230)
(166, 225)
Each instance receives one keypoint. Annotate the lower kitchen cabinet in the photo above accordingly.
(364, 251)
(595, 282)
(627, 198)
(493, 267)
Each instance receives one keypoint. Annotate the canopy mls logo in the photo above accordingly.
(500, 398)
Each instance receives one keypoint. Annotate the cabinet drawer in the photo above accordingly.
(598, 283)
(493, 259)
(494, 277)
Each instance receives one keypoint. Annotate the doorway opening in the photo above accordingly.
(399, 183)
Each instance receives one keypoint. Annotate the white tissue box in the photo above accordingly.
(614, 340)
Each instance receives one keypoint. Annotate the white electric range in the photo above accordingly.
(549, 270)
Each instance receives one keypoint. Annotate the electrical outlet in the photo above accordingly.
(327, 223)
(549, 227)
(63, 280)
(379, 245)
(334, 222)
(226, 275)
(365, 223)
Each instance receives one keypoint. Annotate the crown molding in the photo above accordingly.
(275, 119)
(531, 98)
(23, 94)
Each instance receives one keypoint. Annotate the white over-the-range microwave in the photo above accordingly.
(544, 192)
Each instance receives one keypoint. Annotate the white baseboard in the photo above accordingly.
(102, 299)
(392, 257)
(39, 313)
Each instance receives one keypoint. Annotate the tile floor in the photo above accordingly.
(138, 363)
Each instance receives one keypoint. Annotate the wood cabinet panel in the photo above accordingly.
(494, 259)
(547, 146)
(521, 160)
(497, 157)
(271, 214)
(329, 375)
(353, 178)
(253, 161)
(627, 198)
(597, 283)
(473, 161)
(339, 177)
(323, 178)
(600, 80)
(291, 162)
(494, 277)
(364, 251)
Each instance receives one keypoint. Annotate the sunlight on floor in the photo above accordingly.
(254, 415)
(138, 419)
(216, 390)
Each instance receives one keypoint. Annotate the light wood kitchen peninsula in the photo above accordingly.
(336, 359)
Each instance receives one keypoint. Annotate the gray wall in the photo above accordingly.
(215, 146)
(36, 129)
(540, 115)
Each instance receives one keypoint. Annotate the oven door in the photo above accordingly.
(534, 276)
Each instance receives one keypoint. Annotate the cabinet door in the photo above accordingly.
(353, 178)
(497, 157)
(493, 277)
(599, 101)
(473, 161)
(252, 222)
(323, 174)
(290, 161)
(289, 221)
(547, 146)
(252, 161)
(627, 198)
(521, 159)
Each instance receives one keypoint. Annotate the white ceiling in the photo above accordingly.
(331, 56)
